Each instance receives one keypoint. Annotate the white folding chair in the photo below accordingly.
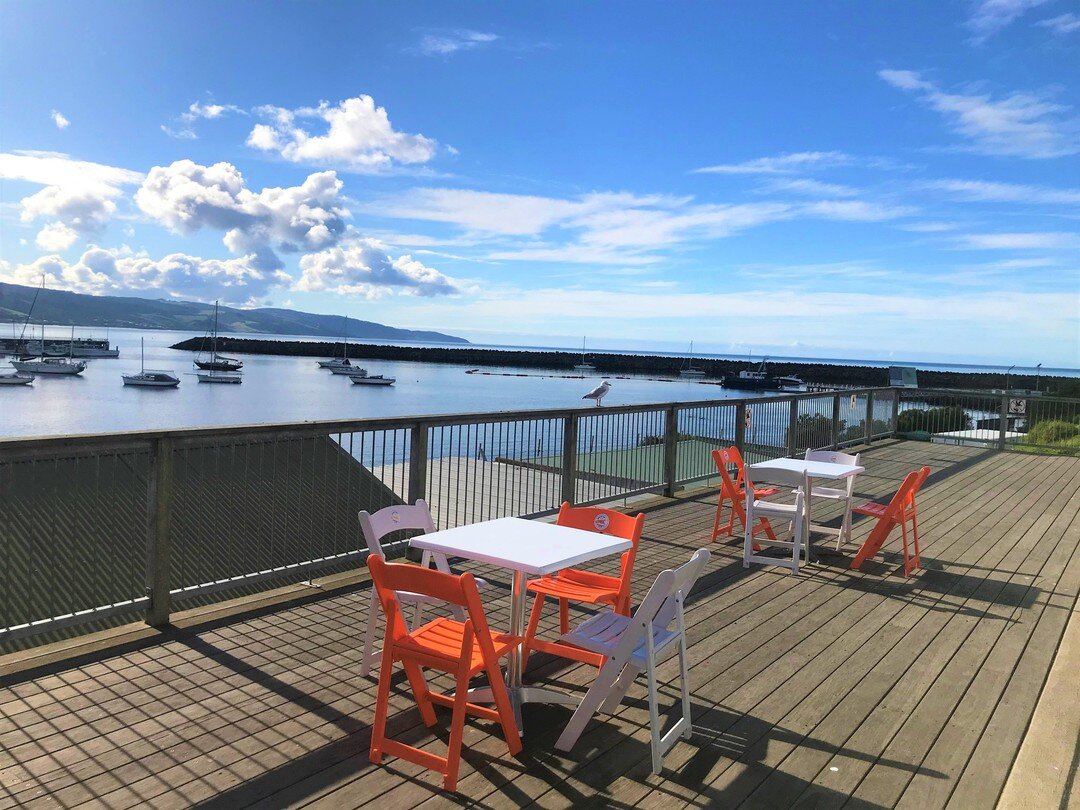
(844, 494)
(374, 528)
(792, 513)
(631, 644)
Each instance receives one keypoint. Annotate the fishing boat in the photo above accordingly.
(343, 361)
(60, 366)
(150, 378)
(688, 370)
(18, 378)
(584, 365)
(753, 379)
(217, 362)
(361, 377)
(215, 376)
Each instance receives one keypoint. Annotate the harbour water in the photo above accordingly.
(291, 389)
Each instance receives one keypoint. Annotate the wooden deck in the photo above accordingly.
(824, 689)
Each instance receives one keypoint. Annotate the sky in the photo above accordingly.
(827, 179)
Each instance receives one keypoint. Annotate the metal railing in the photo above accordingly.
(103, 527)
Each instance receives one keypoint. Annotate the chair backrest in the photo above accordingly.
(394, 519)
(724, 457)
(454, 589)
(607, 521)
(778, 475)
(685, 576)
(833, 457)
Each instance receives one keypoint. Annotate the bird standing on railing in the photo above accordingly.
(599, 392)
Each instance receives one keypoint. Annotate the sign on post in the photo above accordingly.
(1018, 407)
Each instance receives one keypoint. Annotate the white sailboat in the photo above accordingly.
(343, 361)
(689, 370)
(361, 377)
(51, 365)
(217, 362)
(584, 365)
(150, 378)
(17, 378)
(215, 376)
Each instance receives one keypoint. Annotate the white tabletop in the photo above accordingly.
(813, 469)
(522, 545)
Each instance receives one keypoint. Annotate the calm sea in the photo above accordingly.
(291, 389)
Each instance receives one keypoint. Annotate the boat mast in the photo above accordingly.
(213, 337)
(142, 355)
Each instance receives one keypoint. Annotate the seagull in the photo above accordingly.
(599, 392)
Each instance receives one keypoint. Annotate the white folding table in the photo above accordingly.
(812, 470)
(527, 548)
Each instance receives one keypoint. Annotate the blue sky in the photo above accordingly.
(818, 179)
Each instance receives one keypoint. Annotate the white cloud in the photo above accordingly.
(781, 164)
(990, 16)
(57, 169)
(56, 237)
(1046, 240)
(78, 198)
(1062, 24)
(855, 210)
(1020, 124)
(813, 188)
(447, 42)
(100, 271)
(59, 119)
(187, 197)
(359, 137)
(364, 268)
(928, 227)
(185, 129)
(982, 191)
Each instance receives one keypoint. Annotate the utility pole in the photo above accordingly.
(1008, 379)
(1038, 368)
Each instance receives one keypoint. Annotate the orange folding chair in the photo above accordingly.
(900, 509)
(734, 490)
(461, 648)
(573, 584)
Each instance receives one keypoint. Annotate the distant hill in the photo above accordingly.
(77, 309)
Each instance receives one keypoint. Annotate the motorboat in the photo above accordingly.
(361, 377)
(150, 378)
(689, 370)
(18, 378)
(790, 382)
(753, 379)
(217, 362)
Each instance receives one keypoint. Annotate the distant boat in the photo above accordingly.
(361, 377)
(689, 370)
(584, 365)
(51, 365)
(18, 378)
(340, 368)
(149, 378)
(216, 362)
(343, 361)
(790, 382)
(755, 380)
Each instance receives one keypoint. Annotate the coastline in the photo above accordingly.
(613, 363)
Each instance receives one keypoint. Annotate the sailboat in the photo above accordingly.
(584, 365)
(51, 365)
(359, 376)
(689, 370)
(149, 378)
(343, 361)
(217, 362)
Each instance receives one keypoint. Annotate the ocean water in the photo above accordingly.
(294, 389)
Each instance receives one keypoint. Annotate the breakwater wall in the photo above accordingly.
(817, 373)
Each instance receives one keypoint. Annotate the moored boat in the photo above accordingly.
(18, 378)
(689, 370)
(150, 378)
(361, 377)
(214, 376)
(58, 366)
(217, 362)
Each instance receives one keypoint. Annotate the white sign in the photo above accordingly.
(1018, 407)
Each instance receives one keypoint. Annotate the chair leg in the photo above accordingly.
(511, 732)
(907, 556)
(530, 631)
(654, 719)
(382, 704)
(564, 616)
(716, 521)
(620, 688)
(915, 535)
(457, 730)
(420, 690)
(369, 634)
(590, 704)
(684, 679)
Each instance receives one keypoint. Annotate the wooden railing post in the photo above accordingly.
(836, 421)
(569, 458)
(740, 427)
(793, 420)
(869, 417)
(159, 552)
(671, 449)
(1004, 421)
(895, 419)
(418, 457)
